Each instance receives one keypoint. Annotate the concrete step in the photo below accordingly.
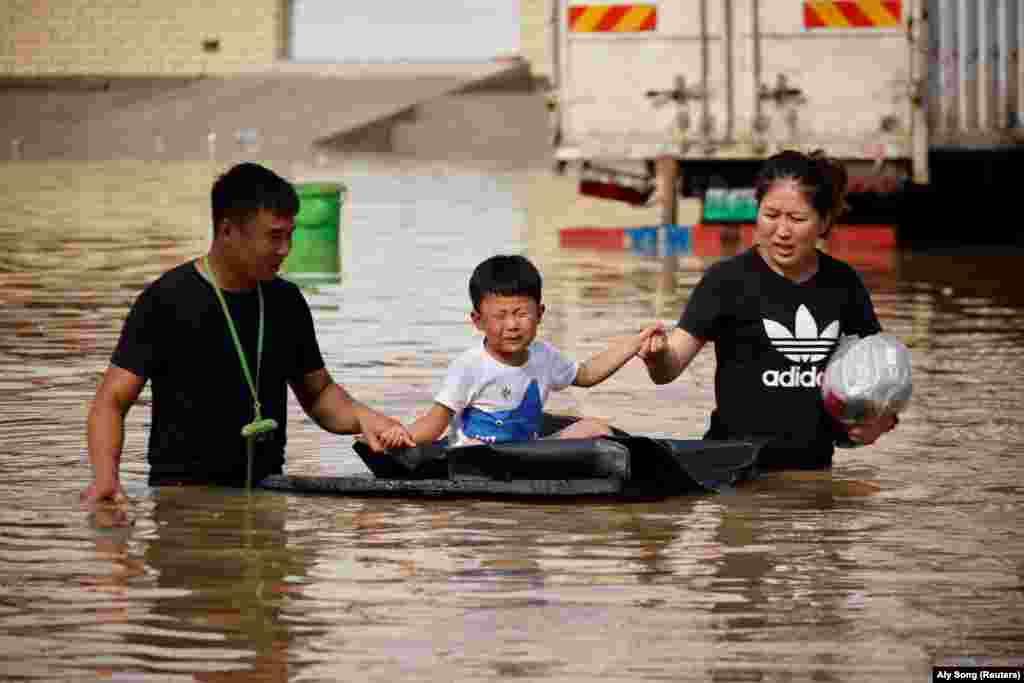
(510, 126)
(272, 115)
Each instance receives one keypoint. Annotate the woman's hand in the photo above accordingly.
(866, 433)
(667, 354)
(655, 343)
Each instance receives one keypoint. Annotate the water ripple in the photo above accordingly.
(906, 551)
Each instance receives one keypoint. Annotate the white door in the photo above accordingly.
(441, 31)
(614, 62)
(833, 74)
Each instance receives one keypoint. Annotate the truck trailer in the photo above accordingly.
(695, 93)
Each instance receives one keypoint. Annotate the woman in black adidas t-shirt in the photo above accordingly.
(775, 314)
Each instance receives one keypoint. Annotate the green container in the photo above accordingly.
(715, 205)
(315, 256)
(730, 206)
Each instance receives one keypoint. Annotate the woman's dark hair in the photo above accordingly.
(245, 189)
(504, 276)
(824, 180)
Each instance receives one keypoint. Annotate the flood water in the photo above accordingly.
(907, 553)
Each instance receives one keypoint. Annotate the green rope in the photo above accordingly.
(238, 343)
(258, 425)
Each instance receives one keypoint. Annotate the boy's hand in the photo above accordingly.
(605, 364)
(395, 437)
(653, 342)
(382, 433)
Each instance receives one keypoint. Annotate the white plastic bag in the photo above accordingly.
(866, 378)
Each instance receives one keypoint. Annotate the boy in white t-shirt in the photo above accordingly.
(495, 391)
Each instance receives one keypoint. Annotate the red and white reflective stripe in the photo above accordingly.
(826, 14)
(612, 18)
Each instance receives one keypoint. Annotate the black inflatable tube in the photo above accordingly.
(444, 488)
(620, 467)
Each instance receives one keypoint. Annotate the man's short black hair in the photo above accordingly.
(245, 189)
(504, 276)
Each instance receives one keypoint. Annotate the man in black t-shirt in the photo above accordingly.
(221, 338)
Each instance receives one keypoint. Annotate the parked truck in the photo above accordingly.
(715, 86)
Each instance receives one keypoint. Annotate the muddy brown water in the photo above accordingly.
(907, 553)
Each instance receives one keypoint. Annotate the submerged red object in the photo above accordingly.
(616, 191)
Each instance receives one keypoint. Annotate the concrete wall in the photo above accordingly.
(535, 35)
(47, 38)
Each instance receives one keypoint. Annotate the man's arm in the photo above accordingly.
(328, 404)
(605, 364)
(115, 396)
(666, 356)
(336, 411)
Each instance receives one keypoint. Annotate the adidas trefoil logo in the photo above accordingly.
(804, 345)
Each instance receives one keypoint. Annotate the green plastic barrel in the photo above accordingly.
(315, 256)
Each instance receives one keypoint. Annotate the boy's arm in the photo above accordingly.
(605, 364)
(431, 425)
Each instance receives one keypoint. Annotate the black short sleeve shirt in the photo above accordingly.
(773, 338)
(176, 336)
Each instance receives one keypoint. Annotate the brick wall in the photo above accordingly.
(138, 37)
